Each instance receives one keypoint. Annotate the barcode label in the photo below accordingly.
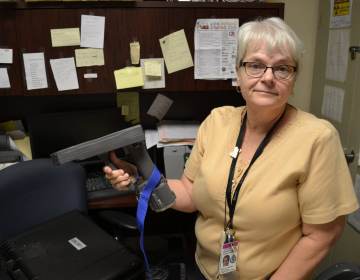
(77, 243)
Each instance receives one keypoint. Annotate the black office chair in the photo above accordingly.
(32, 192)
(340, 271)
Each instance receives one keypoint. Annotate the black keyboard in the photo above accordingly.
(98, 187)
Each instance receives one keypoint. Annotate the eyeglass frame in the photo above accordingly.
(243, 64)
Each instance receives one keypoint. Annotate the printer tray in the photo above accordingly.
(70, 247)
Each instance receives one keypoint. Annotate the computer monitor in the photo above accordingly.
(51, 132)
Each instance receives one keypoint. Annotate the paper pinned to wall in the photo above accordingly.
(176, 52)
(215, 48)
(337, 54)
(6, 56)
(332, 104)
(4, 78)
(129, 77)
(92, 31)
(89, 57)
(354, 218)
(153, 81)
(35, 73)
(64, 72)
(160, 106)
(340, 13)
(90, 75)
(152, 68)
(135, 52)
(64, 37)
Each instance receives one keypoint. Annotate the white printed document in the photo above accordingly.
(92, 31)
(151, 138)
(332, 103)
(337, 54)
(64, 72)
(215, 48)
(4, 78)
(35, 72)
(6, 56)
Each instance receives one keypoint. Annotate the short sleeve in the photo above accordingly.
(197, 153)
(327, 190)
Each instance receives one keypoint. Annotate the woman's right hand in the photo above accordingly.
(122, 177)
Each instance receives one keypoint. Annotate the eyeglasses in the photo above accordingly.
(257, 69)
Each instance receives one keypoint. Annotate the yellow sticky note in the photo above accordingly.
(152, 68)
(129, 104)
(65, 37)
(176, 52)
(89, 57)
(135, 52)
(129, 77)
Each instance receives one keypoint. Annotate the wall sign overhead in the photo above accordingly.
(340, 13)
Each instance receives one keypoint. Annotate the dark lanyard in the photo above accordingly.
(232, 201)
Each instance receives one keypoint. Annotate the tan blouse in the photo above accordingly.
(301, 176)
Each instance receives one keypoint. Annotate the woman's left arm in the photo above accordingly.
(309, 251)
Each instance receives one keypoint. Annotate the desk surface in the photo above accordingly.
(113, 202)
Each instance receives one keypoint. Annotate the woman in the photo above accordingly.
(269, 181)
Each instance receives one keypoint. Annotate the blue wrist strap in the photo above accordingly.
(143, 203)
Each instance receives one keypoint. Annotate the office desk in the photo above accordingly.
(113, 202)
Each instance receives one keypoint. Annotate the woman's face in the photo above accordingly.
(265, 91)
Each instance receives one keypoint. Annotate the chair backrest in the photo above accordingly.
(340, 271)
(32, 192)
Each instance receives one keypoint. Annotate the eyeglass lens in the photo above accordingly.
(256, 70)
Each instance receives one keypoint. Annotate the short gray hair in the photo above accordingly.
(274, 32)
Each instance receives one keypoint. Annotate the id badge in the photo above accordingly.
(228, 257)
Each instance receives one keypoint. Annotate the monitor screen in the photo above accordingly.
(55, 131)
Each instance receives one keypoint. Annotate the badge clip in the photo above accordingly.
(235, 152)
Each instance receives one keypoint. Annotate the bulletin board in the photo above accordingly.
(25, 28)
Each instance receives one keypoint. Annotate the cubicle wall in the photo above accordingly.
(26, 28)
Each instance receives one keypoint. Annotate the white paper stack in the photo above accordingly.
(174, 133)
